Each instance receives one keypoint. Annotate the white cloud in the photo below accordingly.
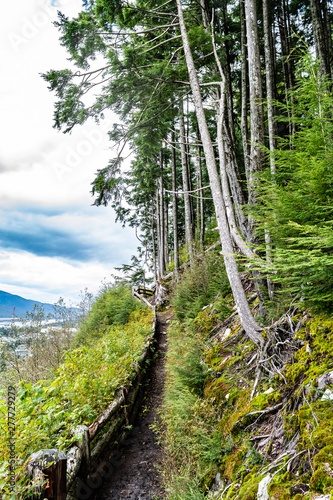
(27, 275)
(45, 176)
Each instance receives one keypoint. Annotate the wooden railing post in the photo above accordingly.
(81, 432)
(47, 470)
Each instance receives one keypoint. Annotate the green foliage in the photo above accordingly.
(192, 444)
(113, 306)
(200, 285)
(47, 412)
(81, 37)
(298, 200)
(191, 371)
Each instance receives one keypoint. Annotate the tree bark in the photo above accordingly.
(270, 86)
(256, 97)
(250, 326)
(186, 185)
(270, 81)
(257, 130)
(175, 210)
(322, 35)
(162, 219)
(234, 181)
(154, 248)
(244, 91)
(288, 66)
(201, 202)
(166, 231)
(160, 227)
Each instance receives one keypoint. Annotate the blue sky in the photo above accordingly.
(53, 242)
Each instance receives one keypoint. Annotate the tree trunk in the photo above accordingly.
(270, 86)
(227, 72)
(166, 231)
(322, 35)
(154, 248)
(328, 35)
(270, 81)
(256, 108)
(162, 219)
(240, 243)
(160, 227)
(250, 326)
(234, 181)
(244, 91)
(189, 177)
(186, 184)
(288, 67)
(257, 129)
(201, 202)
(175, 210)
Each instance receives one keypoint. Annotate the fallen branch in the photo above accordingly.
(263, 436)
(287, 463)
(263, 412)
(260, 413)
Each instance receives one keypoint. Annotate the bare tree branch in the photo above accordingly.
(161, 43)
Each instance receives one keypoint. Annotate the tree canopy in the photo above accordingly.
(228, 113)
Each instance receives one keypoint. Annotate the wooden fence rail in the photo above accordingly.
(69, 476)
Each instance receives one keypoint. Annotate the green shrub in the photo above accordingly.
(297, 204)
(200, 285)
(192, 443)
(46, 412)
(113, 306)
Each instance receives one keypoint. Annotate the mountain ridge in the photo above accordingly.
(8, 301)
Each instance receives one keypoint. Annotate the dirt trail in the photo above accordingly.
(134, 475)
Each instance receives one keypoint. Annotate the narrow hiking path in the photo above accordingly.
(135, 476)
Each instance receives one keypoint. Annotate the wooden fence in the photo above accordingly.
(72, 475)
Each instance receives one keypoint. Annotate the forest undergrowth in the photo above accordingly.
(236, 425)
(102, 357)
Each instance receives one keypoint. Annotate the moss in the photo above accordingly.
(223, 307)
(217, 389)
(315, 424)
(294, 371)
(262, 401)
(279, 492)
(325, 456)
(250, 488)
(309, 364)
(205, 321)
(279, 489)
(208, 479)
(321, 480)
(216, 358)
(233, 462)
(291, 425)
(322, 437)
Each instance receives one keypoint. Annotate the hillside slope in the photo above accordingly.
(240, 424)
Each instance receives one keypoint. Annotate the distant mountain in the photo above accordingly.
(8, 301)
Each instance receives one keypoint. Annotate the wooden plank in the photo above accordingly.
(104, 417)
(74, 458)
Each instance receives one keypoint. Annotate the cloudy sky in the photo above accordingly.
(52, 241)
